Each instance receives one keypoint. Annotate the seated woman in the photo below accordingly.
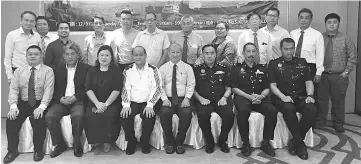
(103, 85)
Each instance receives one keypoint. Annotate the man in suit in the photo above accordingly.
(68, 99)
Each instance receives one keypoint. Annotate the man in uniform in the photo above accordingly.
(213, 93)
(292, 88)
(250, 87)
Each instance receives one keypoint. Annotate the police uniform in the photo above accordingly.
(252, 81)
(211, 84)
(290, 77)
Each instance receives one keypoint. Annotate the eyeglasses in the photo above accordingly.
(272, 16)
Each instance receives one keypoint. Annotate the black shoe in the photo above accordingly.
(146, 149)
(302, 151)
(130, 148)
(10, 156)
(246, 150)
(339, 128)
(60, 148)
(180, 149)
(209, 148)
(78, 151)
(224, 147)
(267, 148)
(169, 149)
(291, 148)
(38, 156)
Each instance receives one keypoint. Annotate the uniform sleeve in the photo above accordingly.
(191, 82)
(9, 49)
(272, 72)
(227, 77)
(234, 77)
(196, 77)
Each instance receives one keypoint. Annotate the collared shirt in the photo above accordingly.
(70, 87)
(92, 45)
(249, 80)
(211, 83)
(141, 85)
(16, 44)
(313, 48)
(185, 80)
(194, 43)
(343, 53)
(154, 44)
(44, 85)
(54, 53)
(264, 43)
(123, 43)
(290, 76)
(48, 38)
(277, 34)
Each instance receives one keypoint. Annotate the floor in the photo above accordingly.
(331, 148)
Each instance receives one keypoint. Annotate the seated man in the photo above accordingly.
(250, 87)
(213, 93)
(31, 90)
(292, 88)
(68, 99)
(178, 87)
(141, 91)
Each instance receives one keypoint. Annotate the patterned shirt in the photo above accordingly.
(92, 45)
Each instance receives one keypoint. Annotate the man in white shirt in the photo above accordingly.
(310, 44)
(154, 40)
(177, 90)
(261, 39)
(18, 41)
(141, 91)
(42, 27)
(277, 32)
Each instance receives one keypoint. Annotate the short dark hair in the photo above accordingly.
(105, 47)
(273, 9)
(98, 17)
(249, 43)
(145, 52)
(27, 12)
(155, 16)
(225, 25)
(208, 45)
(126, 12)
(305, 10)
(253, 13)
(44, 18)
(332, 16)
(287, 40)
(57, 25)
(33, 46)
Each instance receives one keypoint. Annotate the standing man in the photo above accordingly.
(213, 93)
(42, 27)
(124, 38)
(178, 87)
(191, 42)
(31, 91)
(340, 60)
(292, 88)
(18, 41)
(94, 41)
(261, 39)
(141, 91)
(69, 92)
(154, 40)
(310, 44)
(250, 86)
(277, 32)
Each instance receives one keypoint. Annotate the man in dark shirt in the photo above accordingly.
(213, 94)
(250, 87)
(292, 88)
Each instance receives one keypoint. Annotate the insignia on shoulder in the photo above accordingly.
(222, 65)
(242, 71)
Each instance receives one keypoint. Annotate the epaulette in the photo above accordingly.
(197, 65)
(220, 64)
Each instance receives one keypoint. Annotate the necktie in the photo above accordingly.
(174, 86)
(185, 49)
(255, 41)
(42, 44)
(299, 45)
(329, 53)
(31, 89)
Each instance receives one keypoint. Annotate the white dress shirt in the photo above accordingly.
(70, 87)
(123, 43)
(277, 34)
(49, 37)
(313, 48)
(194, 43)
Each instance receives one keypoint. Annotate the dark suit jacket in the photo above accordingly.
(61, 77)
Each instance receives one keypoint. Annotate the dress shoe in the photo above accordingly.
(209, 148)
(169, 149)
(291, 148)
(145, 148)
(180, 149)
(38, 156)
(267, 148)
(78, 151)
(60, 148)
(223, 147)
(130, 148)
(246, 150)
(302, 151)
(10, 156)
(339, 128)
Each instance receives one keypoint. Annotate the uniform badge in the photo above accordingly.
(220, 79)
(259, 72)
(279, 66)
(219, 72)
(242, 71)
(203, 71)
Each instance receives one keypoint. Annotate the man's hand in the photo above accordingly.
(317, 78)
(310, 100)
(148, 112)
(167, 103)
(125, 112)
(287, 99)
(185, 102)
(38, 113)
(71, 99)
(204, 101)
(344, 74)
(222, 102)
(13, 113)
(65, 100)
